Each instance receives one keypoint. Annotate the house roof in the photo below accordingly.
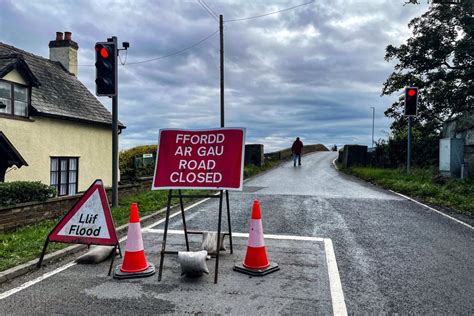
(9, 153)
(55, 91)
(16, 62)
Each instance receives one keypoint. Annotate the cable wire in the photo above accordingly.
(209, 10)
(125, 59)
(270, 13)
(176, 52)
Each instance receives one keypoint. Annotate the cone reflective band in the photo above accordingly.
(256, 262)
(256, 257)
(134, 261)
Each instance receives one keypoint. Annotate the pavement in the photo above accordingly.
(386, 255)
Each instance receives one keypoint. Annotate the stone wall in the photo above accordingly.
(254, 154)
(27, 213)
(354, 155)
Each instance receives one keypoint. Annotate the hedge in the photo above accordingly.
(127, 159)
(12, 193)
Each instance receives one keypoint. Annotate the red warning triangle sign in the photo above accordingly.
(89, 221)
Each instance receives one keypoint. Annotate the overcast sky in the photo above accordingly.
(312, 72)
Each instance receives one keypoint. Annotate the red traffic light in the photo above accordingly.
(106, 68)
(103, 51)
(411, 92)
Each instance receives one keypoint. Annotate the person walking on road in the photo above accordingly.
(296, 149)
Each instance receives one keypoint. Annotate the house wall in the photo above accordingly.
(41, 138)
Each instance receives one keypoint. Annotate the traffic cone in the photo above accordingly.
(134, 263)
(256, 262)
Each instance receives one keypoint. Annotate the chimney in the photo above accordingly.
(64, 50)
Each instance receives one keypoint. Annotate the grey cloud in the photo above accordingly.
(280, 83)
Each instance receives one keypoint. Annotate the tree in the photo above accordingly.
(439, 59)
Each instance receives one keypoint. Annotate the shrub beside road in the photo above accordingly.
(423, 184)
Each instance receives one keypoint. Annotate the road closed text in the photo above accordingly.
(207, 159)
(189, 168)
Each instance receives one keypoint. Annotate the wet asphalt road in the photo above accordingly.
(393, 255)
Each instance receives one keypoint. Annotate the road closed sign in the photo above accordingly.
(200, 159)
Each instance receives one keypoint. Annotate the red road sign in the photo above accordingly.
(200, 159)
(89, 221)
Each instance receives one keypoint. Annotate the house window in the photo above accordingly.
(13, 99)
(64, 174)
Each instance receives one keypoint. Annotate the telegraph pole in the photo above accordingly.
(221, 32)
(373, 124)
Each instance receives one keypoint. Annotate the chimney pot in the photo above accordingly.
(64, 50)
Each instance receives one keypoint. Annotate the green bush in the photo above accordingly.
(12, 193)
(393, 153)
(127, 162)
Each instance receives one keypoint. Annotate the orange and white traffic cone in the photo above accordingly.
(256, 262)
(134, 263)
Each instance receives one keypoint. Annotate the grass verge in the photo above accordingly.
(423, 184)
(26, 243)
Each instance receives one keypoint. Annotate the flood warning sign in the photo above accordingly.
(89, 221)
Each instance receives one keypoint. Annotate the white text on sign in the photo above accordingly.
(187, 167)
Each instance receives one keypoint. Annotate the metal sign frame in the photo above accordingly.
(220, 196)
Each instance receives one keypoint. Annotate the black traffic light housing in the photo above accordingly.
(411, 101)
(106, 68)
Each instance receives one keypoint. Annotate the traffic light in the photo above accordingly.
(411, 101)
(106, 69)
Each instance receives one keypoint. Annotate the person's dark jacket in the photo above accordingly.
(297, 147)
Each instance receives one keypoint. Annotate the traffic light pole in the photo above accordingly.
(115, 139)
(114, 151)
(409, 144)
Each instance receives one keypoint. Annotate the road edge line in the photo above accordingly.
(335, 285)
(37, 280)
(417, 202)
(432, 209)
(46, 275)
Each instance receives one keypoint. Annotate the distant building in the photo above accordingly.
(52, 129)
(463, 128)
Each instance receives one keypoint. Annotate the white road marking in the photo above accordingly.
(72, 263)
(243, 235)
(178, 212)
(415, 201)
(38, 279)
(337, 294)
(434, 210)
